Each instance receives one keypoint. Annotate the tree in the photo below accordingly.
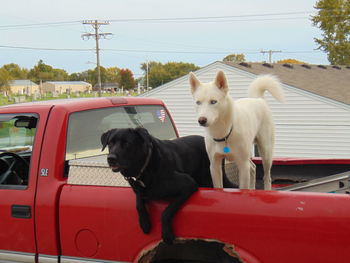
(107, 75)
(333, 18)
(127, 80)
(43, 72)
(151, 65)
(5, 79)
(290, 61)
(15, 71)
(236, 58)
(113, 75)
(159, 73)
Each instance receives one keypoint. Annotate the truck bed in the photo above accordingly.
(287, 174)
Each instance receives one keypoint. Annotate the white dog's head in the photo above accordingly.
(210, 98)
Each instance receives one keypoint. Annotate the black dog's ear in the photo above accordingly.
(143, 134)
(105, 139)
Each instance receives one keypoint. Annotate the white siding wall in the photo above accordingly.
(307, 125)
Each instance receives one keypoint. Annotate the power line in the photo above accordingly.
(47, 49)
(230, 18)
(40, 24)
(160, 19)
(151, 51)
(207, 17)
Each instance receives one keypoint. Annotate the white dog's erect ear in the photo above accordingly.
(194, 82)
(221, 81)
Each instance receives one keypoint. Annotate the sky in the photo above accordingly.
(193, 31)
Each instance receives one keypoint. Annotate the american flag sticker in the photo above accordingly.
(161, 115)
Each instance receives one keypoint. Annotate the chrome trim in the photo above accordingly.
(13, 256)
(89, 260)
(48, 259)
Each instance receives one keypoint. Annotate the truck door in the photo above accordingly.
(19, 153)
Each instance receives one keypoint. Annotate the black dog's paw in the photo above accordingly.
(145, 226)
(168, 237)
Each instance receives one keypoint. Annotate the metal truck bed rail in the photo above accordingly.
(338, 183)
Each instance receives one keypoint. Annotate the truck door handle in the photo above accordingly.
(21, 211)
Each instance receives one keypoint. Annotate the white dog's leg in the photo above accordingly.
(265, 149)
(216, 173)
(267, 180)
(244, 175)
(252, 178)
(267, 163)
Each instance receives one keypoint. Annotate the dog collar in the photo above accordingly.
(137, 178)
(148, 158)
(225, 138)
(226, 148)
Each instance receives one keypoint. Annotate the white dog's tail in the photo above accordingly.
(266, 82)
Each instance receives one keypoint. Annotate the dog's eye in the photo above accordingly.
(198, 102)
(213, 101)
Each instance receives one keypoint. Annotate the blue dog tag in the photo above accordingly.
(227, 149)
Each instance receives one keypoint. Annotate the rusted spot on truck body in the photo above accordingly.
(201, 250)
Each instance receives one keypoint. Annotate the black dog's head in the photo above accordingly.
(128, 149)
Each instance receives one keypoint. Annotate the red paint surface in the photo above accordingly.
(271, 226)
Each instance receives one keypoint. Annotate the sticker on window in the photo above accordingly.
(161, 115)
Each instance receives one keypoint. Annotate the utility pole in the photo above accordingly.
(270, 52)
(96, 25)
(147, 81)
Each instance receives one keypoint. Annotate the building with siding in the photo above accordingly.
(23, 87)
(313, 122)
(66, 86)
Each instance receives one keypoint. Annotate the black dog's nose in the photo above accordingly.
(111, 159)
(202, 121)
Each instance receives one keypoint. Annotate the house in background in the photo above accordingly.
(66, 86)
(313, 122)
(23, 87)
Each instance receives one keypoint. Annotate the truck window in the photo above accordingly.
(85, 128)
(17, 133)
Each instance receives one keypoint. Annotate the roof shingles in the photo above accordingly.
(328, 81)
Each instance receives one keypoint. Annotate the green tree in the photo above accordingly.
(236, 58)
(333, 18)
(5, 79)
(150, 65)
(127, 80)
(16, 71)
(43, 72)
(60, 74)
(113, 75)
(82, 76)
(159, 73)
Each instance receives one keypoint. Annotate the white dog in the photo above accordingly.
(233, 126)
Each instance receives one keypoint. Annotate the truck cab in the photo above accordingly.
(37, 141)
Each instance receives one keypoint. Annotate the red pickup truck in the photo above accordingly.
(59, 202)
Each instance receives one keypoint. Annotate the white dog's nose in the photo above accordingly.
(202, 121)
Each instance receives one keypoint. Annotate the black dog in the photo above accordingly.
(159, 169)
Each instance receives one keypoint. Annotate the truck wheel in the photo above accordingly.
(192, 251)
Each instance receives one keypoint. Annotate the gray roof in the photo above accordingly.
(328, 81)
(22, 82)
